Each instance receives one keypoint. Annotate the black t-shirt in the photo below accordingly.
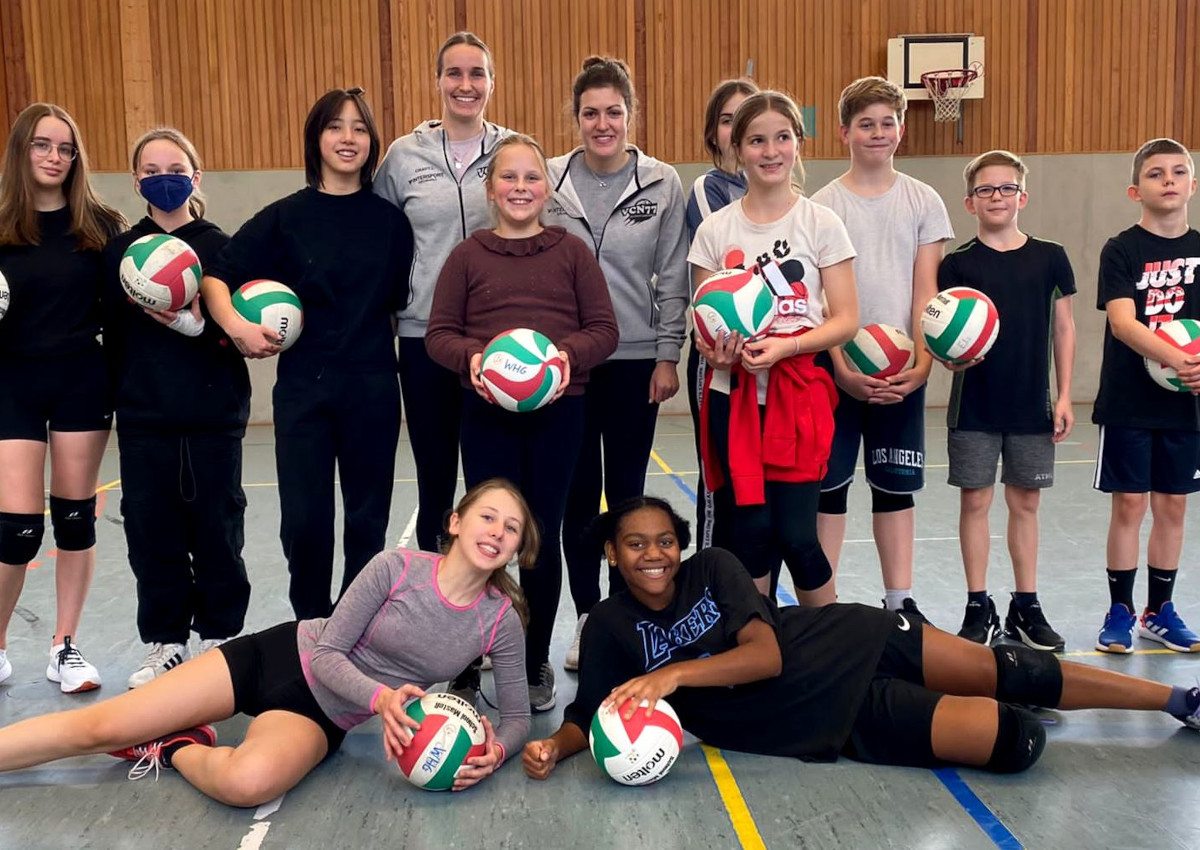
(166, 381)
(1010, 390)
(54, 307)
(347, 257)
(1160, 275)
(829, 657)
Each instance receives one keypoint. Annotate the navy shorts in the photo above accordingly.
(893, 440)
(54, 394)
(1147, 460)
(267, 676)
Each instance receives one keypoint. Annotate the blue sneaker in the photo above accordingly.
(1168, 628)
(1117, 634)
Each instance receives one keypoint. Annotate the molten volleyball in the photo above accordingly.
(639, 750)
(960, 324)
(451, 732)
(880, 351)
(274, 306)
(160, 272)
(1184, 334)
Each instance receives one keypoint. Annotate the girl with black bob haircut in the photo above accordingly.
(346, 253)
(877, 686)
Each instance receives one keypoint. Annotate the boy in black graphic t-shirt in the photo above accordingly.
(1149, 437)
(1001, 405)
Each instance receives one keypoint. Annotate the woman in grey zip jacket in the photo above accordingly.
(630, 208)
(436, 175)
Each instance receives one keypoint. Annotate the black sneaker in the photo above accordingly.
(466, 684)
(1027, 624)
(981, 623)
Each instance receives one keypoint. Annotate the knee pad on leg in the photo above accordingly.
(74, 522)
(20, 537)
(1020, 739)
(809, 567)
(1026, 676)
(834, 501)
(890, 503)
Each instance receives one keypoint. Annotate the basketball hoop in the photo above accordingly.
(947, 89)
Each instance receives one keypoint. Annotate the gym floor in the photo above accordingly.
(1107, 778)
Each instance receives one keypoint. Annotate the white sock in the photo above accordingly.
(893, 600)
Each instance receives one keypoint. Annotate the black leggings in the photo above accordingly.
(535, 451)
(618, 417)
(433, 407)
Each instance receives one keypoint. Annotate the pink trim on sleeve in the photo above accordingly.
(374, 697)
(504, 606)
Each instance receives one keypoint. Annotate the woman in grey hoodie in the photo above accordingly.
(630, 208)
(436, 174)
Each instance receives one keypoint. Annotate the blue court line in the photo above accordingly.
(984, 817)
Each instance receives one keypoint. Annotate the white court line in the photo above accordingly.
(253, 839)
(269, 808)
(408, 529)
(920, 539)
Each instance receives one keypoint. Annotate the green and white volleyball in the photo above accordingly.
(274, 306)
(1184, 334)
(5, 295)
(734, 300)
(880, 351)
(451, 732)
(639, 750)
(160, 272)
(960, 324)
(521, 370)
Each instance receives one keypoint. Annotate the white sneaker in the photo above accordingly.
(571, 662)
(70, 669)
(161, 658)
(209, 643)
(5, 666)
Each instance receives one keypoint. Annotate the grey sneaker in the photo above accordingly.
(571, 662)
(5, 666)
(541, 692)
(161, 658)
(209, 643)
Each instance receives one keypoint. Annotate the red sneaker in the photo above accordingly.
(150, 756)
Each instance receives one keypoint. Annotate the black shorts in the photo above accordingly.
(55, 394)
(895, 722)
(267, 676)
(1147, 460)
(893, 441)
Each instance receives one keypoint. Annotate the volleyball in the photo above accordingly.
(5, 295)
(734, 300)
(272, 305)
(521, 370)
(160, 272)
(451, 732)
(880, 351)
(1184, 334)
(639, 750)
(960, 324)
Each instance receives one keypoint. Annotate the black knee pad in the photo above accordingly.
(20, 537)
(834, 501)
(1028, 677)
(1020, 739)
(809, 567)
(74, 522)
(890, 503)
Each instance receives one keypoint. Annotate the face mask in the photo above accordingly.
(167, 192)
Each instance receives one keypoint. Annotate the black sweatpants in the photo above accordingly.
(617, 438)
(184, 509)
(433, 403)
(351, 420)
(713, 510)
(535, 451)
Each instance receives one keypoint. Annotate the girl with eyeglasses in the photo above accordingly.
(54, 395)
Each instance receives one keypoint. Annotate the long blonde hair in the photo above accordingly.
(196, 204)
(92, 221)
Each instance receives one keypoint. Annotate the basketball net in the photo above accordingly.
(947, 89)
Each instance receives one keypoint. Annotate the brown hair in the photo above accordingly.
(527, 551)
(92, 221)
(769, 101)
(712, 112)
(868, 91)
(196, 205)
(327, 108)
(996, 157)
(600, 72)
(472, 40)
(1155, 147)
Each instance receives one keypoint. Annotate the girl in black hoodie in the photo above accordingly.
(182, 402)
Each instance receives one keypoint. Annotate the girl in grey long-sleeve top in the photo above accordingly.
(410, 619)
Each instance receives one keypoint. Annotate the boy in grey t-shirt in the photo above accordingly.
(898, 226)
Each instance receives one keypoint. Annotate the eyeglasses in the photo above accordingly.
(42, 148)
(1006, 190)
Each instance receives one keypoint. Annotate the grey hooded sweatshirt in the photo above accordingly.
(443, 208)
(643, 253)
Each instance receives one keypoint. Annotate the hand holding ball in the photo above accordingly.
(960, 324)
(733, 301)
(451, 732)
(274, 306)
(160, 272)
(1183, 334)
(639, 750)
(521, 370)
(880, 351)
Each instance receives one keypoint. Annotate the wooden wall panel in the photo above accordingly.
(239, 75)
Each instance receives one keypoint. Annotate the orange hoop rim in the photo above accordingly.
(949, 78)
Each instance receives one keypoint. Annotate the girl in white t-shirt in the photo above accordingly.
(767, 412)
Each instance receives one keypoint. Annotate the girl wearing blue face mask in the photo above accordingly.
(182, 401)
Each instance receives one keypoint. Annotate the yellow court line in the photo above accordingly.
(1095, 653)
(735, 803)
